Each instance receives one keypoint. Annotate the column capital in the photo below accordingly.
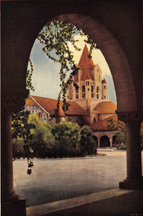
(13, 103)
(130, 117)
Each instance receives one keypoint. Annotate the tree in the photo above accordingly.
(113, 124)
(87, 144)
(67, 136)
(21, 132)
(21, 128)
(42, 139)
(56, 37)
(29, 74)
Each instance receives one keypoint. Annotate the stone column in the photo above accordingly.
(110, 140)
(134, 178)
(12, 205)
(98, 142)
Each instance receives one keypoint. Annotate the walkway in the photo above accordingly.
(58, 179)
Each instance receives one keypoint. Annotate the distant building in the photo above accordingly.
(88, 100)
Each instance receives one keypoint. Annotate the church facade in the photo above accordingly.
(88, 102)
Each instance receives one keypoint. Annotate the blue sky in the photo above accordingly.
(45, 78)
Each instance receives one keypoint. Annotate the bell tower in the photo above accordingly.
(87, 83)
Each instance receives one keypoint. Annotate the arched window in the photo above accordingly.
(97, 90)
(92, 91)
(77, 92)
(77, 89)
(94, 120)
(83, 91)
(83, 88)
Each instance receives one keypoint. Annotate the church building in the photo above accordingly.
(88, 102)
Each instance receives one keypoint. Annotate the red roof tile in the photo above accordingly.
(104, 81)
(86, 64)
(74, 109)
(102, 125)
(105, 107)
(60, 112)
(50, 105)
(84, 60)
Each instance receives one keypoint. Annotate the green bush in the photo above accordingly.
(122, 147)
(67, 136)
(87, 143)
(18, 150)
(64, 139)
(42, 140)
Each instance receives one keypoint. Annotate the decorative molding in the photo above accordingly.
(13, 103)
(129, 117)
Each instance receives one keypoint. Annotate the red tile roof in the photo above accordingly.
(105, 107)
(102, 125)
(74, 109)
(104, 81)
(50, 106)
(86, 64)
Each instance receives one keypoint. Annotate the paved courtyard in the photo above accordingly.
(57, 179)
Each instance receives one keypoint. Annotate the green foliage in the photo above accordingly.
(87, 143)
(18, 147)
(43, 139)
(65, 139)
(29, 76)
(121, 137)
(22, 136)
(56, 37)
(21, 128)
(122, 147)
(113, 124)
(67, 136)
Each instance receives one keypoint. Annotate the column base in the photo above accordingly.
(14, 208)
(132, 184)
(10, 197)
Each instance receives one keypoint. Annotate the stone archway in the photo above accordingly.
(114, 56)
(114, 140)
(104, 141)
(125, 90)
(14, 89)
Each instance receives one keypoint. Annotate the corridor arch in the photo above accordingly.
(14, 76)
(114, 56)
(104, 141)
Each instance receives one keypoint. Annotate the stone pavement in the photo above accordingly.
(58, 179)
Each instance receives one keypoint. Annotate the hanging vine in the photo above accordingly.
(56, 37)
(29, 74)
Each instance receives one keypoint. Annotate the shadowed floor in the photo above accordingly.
(58, 179)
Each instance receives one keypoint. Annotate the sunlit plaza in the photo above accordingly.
(63, 178)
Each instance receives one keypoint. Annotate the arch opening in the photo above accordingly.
(104, 141)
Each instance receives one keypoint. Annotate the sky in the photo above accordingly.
(46, 79)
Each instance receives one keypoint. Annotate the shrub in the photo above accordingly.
(88, 145)
(122, 147)
(65, 139)
(67, 136)
(18, 150)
